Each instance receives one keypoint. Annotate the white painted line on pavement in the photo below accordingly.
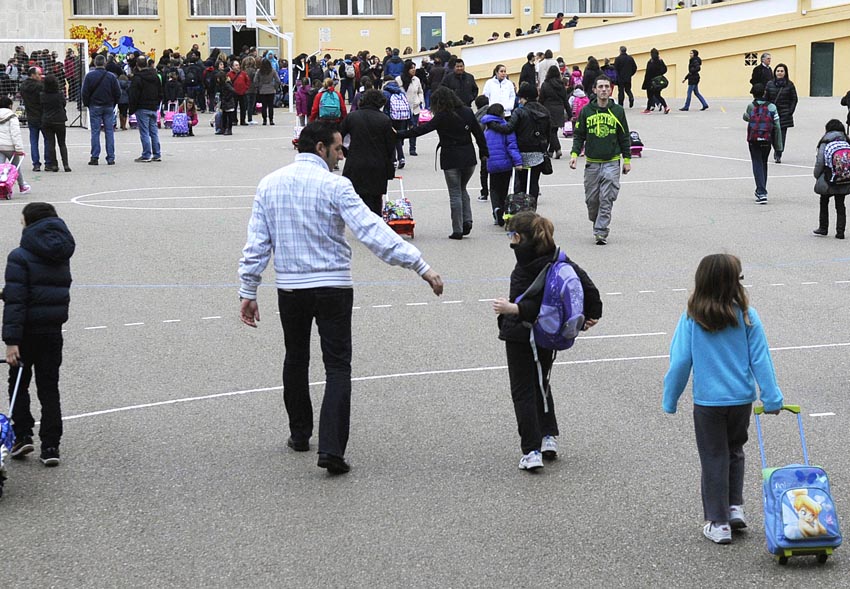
(679, 289)
(611, 294)
(842, 282)
(414, 304)
(132, 324)
(778, 284)
(171, 321)
(351, 307)
(451, 302)
(721, 157)
(486, 300)
(400, 375)
(808, 283)
(622, 335)
(827, 414)
(381, 306)
(215, 317)
(645, 291)
(96, 327)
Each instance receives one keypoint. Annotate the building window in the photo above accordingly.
(571, 7)
(349, 7)
(114, 7)
(751, 59)
(227, 7)
(489, 7)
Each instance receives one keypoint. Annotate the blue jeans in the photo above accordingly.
(331, 308)
(35, 131)
(104, 115)
(148, 133)
(694, 89)
(759, 153)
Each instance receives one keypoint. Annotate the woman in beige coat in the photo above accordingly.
(412, 86)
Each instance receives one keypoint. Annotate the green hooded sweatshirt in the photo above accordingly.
(603, 132)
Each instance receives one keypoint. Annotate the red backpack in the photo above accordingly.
(760, 125)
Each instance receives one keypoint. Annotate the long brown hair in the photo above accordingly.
(718, 293)
(536, 229)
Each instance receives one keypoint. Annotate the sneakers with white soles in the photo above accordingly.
(719, 533)
(26, 189)
(549, 447)
(736, 517)
(531, 461)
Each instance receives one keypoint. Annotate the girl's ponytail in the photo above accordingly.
(543, 234)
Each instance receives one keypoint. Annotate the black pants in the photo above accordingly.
(52, 134)
(721, 433)
(840, 213)
(485, 190)
(624, 87)
(375, 202)
(554, 142)
(521, 182)
(778, 154)
(242, 101)
(532, 421)
(499, 186)
(399, 145)
(267, 101)
(331, 308)
(211, 99)
(41, 354)
(654, 98)
(228, 119)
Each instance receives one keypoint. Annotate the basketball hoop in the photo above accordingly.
(237, 25)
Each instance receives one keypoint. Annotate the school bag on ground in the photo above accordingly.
(760, 125)
(399, 107)
(171, 110)
(9, 177)
(398, 213)
(329, 105)
(799, 514)
(636, 144)
(7, 433)
(180, 125)
(836, 155)
(518, 202)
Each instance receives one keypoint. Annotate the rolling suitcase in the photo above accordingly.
(636, 144)
(180, 125)
(171, 110)
(9, 177)
(519, 201)
(398, 213)
(799, 514)
(7, 434)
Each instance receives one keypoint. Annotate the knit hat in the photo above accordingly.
(527, 91)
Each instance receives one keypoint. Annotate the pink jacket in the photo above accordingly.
(302, 101)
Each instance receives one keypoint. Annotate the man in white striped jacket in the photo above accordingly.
(299, 217)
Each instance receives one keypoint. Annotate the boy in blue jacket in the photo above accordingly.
(36, 296)
(721, 338)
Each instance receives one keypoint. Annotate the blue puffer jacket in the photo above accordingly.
(38, 281)
(504, 153)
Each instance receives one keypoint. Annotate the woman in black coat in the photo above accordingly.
(554, 97)
(588, 78)
(53, 119)
(457, 127)
(369, 161)
(654, 67)
(782, 92)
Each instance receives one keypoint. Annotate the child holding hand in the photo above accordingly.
(720, 337)
(532, 239)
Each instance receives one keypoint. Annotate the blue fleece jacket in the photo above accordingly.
(504, 153)
(726, 364)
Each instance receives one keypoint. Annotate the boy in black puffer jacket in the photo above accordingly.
(36, 296)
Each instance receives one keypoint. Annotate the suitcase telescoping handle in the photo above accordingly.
(17, 385)
(758, 411)
(400, 184)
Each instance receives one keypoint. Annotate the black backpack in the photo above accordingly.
(192, 76)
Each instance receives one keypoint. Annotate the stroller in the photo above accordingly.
(7, 434)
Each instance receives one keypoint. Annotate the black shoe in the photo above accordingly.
(50, 456)
(467, 228)
(298, 446)
(92, 162)
(456, 236)
(271, 123)
(334, 464)
(110, 163)
(482, 198)
(821, 231)
(22, 447)
(704, 108)
(67, 168)
(264, 123)
(684, 109)
(413, 152)
(777, 160)
(839, 235)
(401, 163)
(51, 168)
(37, 167)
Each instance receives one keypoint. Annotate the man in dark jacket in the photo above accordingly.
(101, 93)
(442, 53)
(762, 74)
(146, 96)
(195, 81)
(461, 83)
(394, 66)
(626, 68)
(436, 74)
(36, 297)
(528, 73)
(31, 90)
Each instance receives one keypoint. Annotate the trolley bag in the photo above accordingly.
(215, 123)
(519, 201)
(9, 177)
(799, 514)
(180, 125)
(567, 132)
(296, 133)
(636, 144)
(7, 434)
(398, 213)
(171, 110)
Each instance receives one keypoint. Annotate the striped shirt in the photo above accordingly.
(299, 216)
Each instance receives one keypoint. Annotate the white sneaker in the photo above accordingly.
(531, 461)
(549, 447)
(719, 533)
(736, 517)
(26, 188)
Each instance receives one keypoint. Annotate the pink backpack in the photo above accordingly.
(579, 103)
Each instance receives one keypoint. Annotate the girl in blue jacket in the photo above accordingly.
(504, 156)
(721, 338)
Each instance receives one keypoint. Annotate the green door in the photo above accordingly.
(823, 59)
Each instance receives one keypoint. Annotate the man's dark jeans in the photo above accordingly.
(331, 308)
(43, 353)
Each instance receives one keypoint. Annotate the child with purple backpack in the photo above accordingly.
(529, 363)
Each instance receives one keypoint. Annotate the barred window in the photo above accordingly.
(227, 7)
(579, 7)
(114, 8)
(489, 7)
(349, 7)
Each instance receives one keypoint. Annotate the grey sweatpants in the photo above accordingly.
(721, 434)
(601, 187)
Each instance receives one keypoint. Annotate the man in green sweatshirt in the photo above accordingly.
(603, 132)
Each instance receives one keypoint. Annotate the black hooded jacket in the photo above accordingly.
(146, 91)
(38, 281)
(531, 123)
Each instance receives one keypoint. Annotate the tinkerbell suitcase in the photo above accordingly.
(398, 213)
(799, 514)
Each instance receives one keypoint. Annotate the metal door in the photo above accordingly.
(823, 61)
(431, 29)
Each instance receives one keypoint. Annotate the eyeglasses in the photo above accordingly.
(511, 234)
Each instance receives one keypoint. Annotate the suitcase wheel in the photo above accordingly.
(783, 560)
(822, 558)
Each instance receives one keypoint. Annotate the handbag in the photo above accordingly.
(546, 170)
